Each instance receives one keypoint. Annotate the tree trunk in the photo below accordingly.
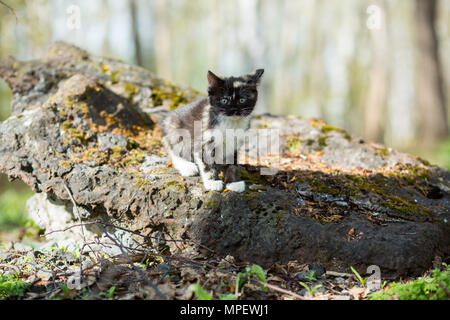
(135, 31)
(433, 124)
(378, 87)
(162, 39)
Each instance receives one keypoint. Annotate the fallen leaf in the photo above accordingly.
(358, 293)
(351, 232)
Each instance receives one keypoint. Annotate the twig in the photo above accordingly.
(82, 229)
(447, 292)
(130, 231)
(102, 226)
(125, 254)
(339, 274)
(70, 227)
(16, 268)
(156, 238)
(10, 9)
(75, 210)
(281, 290)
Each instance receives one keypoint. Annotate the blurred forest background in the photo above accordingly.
(378, 68)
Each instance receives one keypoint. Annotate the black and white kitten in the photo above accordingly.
(196, 135)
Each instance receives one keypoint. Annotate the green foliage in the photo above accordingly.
(33, 230)
(65, 289)
(5, 99)
(109, 294)
(311, 277)
(241, 278)
(12, 209)
(199, 292)
(425, 288)
(11, 286)
(360, 279)
(254, 270)
(77, 253)
(258, 272)
(83, 294)
(228, 296)
(310, 290)
(442, 154)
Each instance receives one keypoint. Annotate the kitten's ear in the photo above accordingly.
(213, 80)
(255, 76)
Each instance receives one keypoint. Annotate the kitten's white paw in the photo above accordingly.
(184, 167)
(216, 185)
(189, 171)
(238, 186)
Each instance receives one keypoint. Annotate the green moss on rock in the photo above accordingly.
(252, 177)
(327, 128)
(293, 143)
(65, 164)
(133, 158)
(73, 133)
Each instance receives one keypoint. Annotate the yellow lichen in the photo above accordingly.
(293, 143)
(73, 133)
(94, 154)
(65, 164)
(134, 157)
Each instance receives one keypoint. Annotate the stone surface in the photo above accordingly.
(90, 125)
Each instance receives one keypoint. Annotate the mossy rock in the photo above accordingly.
(333, 199)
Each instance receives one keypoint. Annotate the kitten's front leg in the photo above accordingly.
(208, 173)
(232, 179)
(231, 176)
(184, 167)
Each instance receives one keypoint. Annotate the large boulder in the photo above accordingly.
(84, 130)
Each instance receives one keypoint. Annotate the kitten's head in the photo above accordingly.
(234, 96)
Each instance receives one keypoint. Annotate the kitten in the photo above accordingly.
(197, 135)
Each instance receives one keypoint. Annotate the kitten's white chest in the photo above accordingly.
(230, 131)
(232, 122)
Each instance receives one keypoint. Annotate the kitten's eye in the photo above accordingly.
(242, 100)
(224, 101)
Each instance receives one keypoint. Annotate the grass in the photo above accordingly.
(312, 290)
(109, 294)
(255, 272)
(200, 293)
(361, 280)
(434, 287)
(11, 286)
